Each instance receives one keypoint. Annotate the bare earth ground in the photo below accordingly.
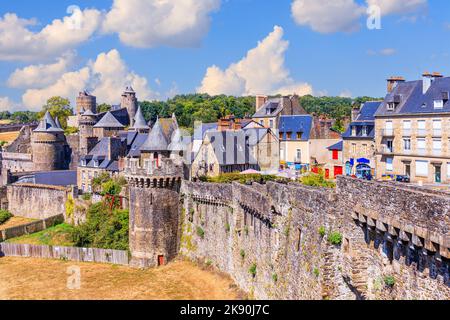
(42, 279)
(9, 136)
(14, 222)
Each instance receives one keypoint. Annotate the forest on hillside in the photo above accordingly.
(200, 107)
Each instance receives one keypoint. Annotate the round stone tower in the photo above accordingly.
(130, 102)
(154, 184)
(86, 123)
(86, 102)
(49, 146)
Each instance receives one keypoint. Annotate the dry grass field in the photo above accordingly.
(39, 279)
(9, 136)
(14, 222)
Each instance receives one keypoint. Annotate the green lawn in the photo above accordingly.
(55, 236)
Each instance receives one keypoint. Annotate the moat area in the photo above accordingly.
(47, 279)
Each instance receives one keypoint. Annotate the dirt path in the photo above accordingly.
(24, 278)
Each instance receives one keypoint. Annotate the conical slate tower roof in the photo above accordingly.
(109, 121)
(88, 113)
(177, 141)
(58, 124)
(48, 124)
(139, 120)
(156, 140)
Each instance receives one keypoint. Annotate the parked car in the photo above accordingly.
(403, 178)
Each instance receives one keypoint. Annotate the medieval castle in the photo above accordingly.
(273, 239)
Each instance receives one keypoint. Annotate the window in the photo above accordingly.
(437, 146)
(353, 131)
(421, 145)
(281, 136)
(390, 145)
(407, 127)
(407, 144)
(438, 104)
(422, 168)
(289, 136)
(421, 125)
(364, 131)
(353, 148)
(335, 155)
(448, 169)
(389, 164)
(299, 155)
(299, 239)
(388, 127)
(390, 106)
(365, 149)
(271, 124)
(437, 127)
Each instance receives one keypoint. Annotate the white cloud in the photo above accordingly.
(382, 52)
(149, 23)
(400, 7)
(346, 94)
(6, 104)
(328, 16)
(261, 71)
(19, 42)
(106, 77)
(41, 75)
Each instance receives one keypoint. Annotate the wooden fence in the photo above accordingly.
(30, 228)
(119, 257)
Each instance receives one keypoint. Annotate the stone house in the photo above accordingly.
(359, 141)
(413, 130)
(335, 163)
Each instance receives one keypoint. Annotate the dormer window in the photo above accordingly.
(390, 106)
(364, 131)
(83, 163)
(438, 104)
(96, 163)
(354, 131)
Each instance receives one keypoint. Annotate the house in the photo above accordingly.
(269, 111)
(413, 129)
(335, 163)
(224, 152)
(359, 141)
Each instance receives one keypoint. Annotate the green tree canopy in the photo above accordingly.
(58, 107)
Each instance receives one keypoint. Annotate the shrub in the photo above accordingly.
(316, 272)
(209, 263)
(322, 231)
(275, 277)
(242, 253)
(389, 281)
(227, 227)
(335, 238)
(241, 178)
(252, 270)
(316, 180)
(200, 232)
(5, 215)
(86, 196)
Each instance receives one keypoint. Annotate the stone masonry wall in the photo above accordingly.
(270, 239)
(36, 201)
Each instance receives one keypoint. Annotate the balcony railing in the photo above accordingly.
(385, 150)
(387, 132)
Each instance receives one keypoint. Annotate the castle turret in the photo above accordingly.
(86, 102)
(49, 146)
(86, 123)
(130, 102)
(140, 125)
(154, 184)
(108, 126)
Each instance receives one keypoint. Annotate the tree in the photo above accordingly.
(58, 107)
(101, 108)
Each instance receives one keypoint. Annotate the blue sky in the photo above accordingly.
(333, 62)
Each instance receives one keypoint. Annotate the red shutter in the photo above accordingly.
(335, 155)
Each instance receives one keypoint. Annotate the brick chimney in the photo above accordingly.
(260, 101)
(392, 82)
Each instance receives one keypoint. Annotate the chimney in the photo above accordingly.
(260, 101)
(392, 82)
(355, 112)
(427, 79)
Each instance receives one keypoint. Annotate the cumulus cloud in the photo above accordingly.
(41, 75)
(6, 104)
(149, 23)
(262, 70)
(106, 77)
(329, 16)
(19, 42)
(400, 7)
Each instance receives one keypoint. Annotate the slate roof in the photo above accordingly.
(296, 124)
(47, 124)
(368, 110)
(177, 141)
(52, 178)
(140, 122)
(338, 146)
(230, 147)
(270, 109)
(200, 131)
(109, 121)
(135, 148)
(156, 140)
(412, 100)
(365, 118)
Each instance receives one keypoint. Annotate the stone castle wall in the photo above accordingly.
(270, 239)
(37, 201)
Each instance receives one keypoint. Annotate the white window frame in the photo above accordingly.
(438, 104)
(422, 169)
(389, 164)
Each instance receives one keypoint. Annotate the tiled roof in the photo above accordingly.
(109, 121)
(296, 124)
(338, 146)
(412, 100)
(156, 140)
